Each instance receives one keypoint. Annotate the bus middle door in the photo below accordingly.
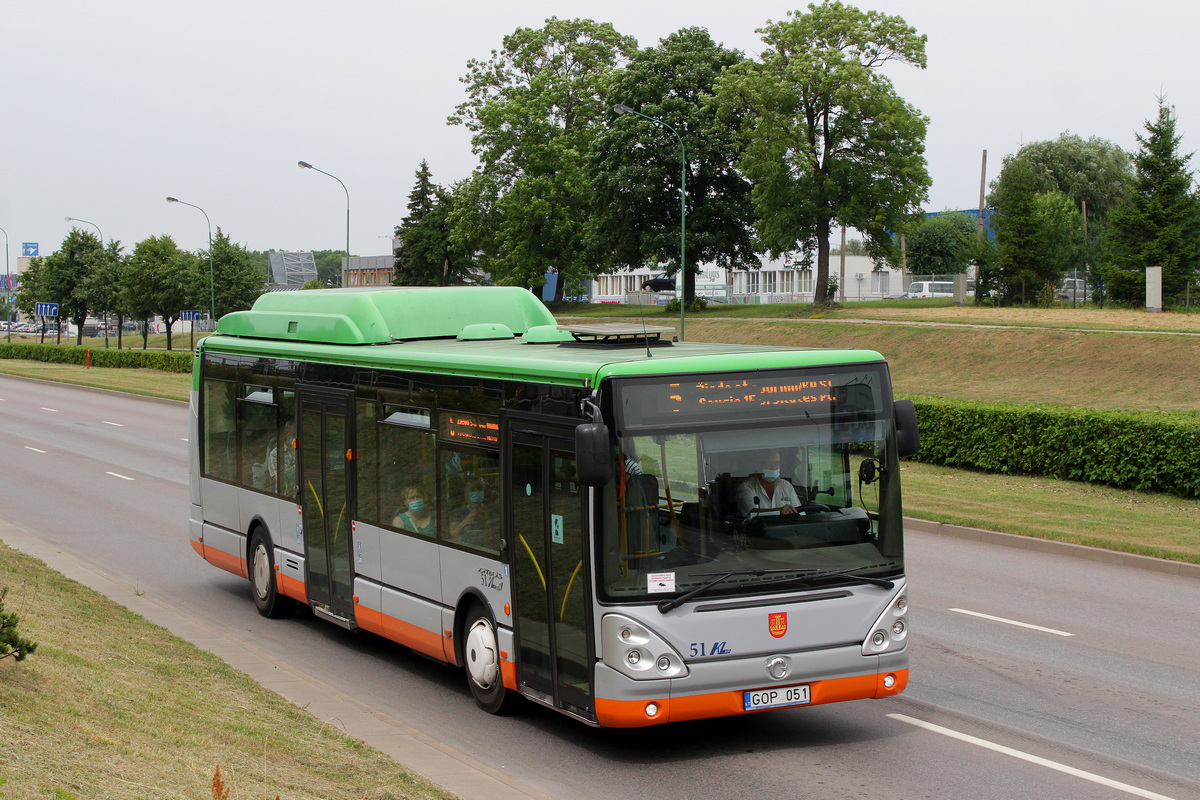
(325, 460)
(548, 557)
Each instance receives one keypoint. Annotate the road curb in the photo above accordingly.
(1096, 554)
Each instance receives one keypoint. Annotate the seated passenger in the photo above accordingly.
(418, 517)
(766, 491)
(477, 528)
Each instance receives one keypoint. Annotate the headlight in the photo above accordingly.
(637, 652)
(890, 631)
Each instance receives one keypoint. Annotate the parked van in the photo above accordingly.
(931, 289)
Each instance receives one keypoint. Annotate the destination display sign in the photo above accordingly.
(456, 426)
(749, 396)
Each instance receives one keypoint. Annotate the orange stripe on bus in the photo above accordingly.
(632, 713)
(198, 547)
(290, 587)
(230, 563)
(508, 674)
(405, 633)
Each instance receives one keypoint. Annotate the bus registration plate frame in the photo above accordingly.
(776, 697)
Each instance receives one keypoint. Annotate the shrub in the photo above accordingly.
(1147, 451)
(12, 644)
(164, 360)
(697, 304)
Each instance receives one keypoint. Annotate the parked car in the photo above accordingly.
(1073, 289)
(931, 289)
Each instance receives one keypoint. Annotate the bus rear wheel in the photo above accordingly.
(481, 654)
(263, 584)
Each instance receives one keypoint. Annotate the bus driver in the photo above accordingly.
(766, 490)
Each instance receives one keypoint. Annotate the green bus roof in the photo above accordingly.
(494, 332)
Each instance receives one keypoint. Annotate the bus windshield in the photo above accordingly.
(764, 475)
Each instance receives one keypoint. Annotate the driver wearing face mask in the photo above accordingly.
(766, 491)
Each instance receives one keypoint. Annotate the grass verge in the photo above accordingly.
(112, 706)
(148, 382)
(1159, 525)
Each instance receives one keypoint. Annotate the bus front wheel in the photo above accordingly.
(263, 586)
(481, 652)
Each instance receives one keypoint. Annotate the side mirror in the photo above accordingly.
(593, 454)
(908, 438)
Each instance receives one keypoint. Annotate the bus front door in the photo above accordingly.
(325, 458)
(548, 558)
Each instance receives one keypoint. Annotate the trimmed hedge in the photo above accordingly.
(164, 360)
(1126, 449)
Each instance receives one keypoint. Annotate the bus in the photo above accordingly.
(626, 528)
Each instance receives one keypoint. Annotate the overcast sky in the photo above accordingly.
(110, 107)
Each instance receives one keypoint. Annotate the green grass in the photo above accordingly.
(112, 706)
(149, 382)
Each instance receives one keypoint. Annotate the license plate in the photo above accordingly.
(776, 697)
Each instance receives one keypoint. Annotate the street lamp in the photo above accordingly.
(7, 287)
(212, 285)
(306, 165)
(624, 109)
(97, 227)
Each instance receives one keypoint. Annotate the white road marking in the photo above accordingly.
(114, 424)
(182, 439)
(1042, 762)
(55, 410)
(1012, 622)
(34, 449)
(119, 475)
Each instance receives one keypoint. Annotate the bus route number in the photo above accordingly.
(775, 698)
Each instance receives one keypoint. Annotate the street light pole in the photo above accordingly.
(624, 109)
(7, 288)
(306, 165)
(97, 227)
(212, 285)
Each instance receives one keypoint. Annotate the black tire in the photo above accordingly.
(263, 586)
(481, 660)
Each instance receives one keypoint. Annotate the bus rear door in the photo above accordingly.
(325, 492)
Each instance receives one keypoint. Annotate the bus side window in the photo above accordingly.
(406, 469)
(220, 445)
(468, 494)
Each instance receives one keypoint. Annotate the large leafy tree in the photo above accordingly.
(1159, 224)
(826, 137)
(63, 277)
(1094, 172)
(426, 254)
(104, 287)
(637, 164)
(1019, 237)
(160, 279)
(533, 108)
(238, 277)
(940, 245)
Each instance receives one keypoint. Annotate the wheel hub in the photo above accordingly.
(483, 663)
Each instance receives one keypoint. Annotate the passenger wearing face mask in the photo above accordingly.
(476, 528)
(418, 517)
(766, 490)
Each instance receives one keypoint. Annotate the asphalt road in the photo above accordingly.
(1033, 675)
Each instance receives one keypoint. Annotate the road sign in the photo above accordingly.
(29, 249)
(191, 316)
(45, 309)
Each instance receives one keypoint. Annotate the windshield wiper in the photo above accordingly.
(845, 573)
(675, 602)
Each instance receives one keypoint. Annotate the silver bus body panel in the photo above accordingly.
(463, 570)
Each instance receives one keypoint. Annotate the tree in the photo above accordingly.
(238, 277)
(329, 266)
(826, 137)
(1018, 232)
(103, 286)
(940, 244)
(1096, 172)
(62, 277)
(1159, 224)
(160, 279)
(11, 643)
(427, 254)
(636, 165)
(533, 108)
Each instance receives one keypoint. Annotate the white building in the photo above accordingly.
(779, 281)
